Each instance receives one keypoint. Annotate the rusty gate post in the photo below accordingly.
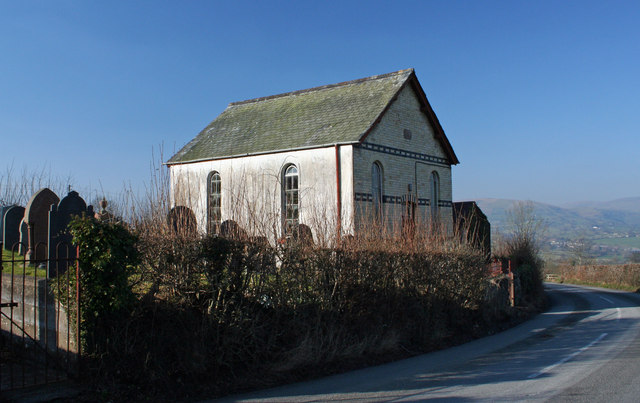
(78, 339)
(30, 242)
(1, 275)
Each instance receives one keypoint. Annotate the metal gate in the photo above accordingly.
(39, 316)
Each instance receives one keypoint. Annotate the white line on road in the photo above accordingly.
(619, 312)
(567, 358)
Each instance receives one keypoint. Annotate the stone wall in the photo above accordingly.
(37, 312)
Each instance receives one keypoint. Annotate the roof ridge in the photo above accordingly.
(322, 87)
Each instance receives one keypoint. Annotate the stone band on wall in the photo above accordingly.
(404, 153)
(368, 197)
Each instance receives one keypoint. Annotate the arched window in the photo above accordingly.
(376, 189)
(290, 198)
(435, 195)
(214, 203)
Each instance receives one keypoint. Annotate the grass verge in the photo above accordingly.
(19, 266)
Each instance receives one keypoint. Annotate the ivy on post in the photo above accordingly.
(107, 256)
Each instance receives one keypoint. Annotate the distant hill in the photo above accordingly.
(576, 220)
(628, 204)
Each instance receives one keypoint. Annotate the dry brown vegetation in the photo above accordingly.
(220, 314)
(248, 313)
(522, 246)
(624, 277)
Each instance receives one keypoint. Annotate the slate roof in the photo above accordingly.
(342, 113)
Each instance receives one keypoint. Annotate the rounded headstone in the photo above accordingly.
(182, 220)
(3, 211)
(231, 229)
(11, 226)
(36, 216)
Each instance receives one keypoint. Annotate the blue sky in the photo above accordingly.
(540, 99)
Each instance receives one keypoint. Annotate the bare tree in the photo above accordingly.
(525, 228)
(17, 188)
(581, 249)
(522, 244)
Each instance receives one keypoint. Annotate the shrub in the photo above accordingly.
(243, 312)
(232, 313)
(108, 256)
(245, 307)
(522, 245)
(625, 276)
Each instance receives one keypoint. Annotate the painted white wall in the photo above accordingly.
(252, 191)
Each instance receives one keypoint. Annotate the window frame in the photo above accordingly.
(214, 194)
(290, 198)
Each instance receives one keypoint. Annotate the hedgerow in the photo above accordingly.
(241, 313)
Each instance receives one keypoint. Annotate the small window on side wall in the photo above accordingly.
(290, 198)
(214, 203)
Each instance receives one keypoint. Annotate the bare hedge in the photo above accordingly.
(245, 313)
(620, 276)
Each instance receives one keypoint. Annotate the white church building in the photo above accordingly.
(332, 158)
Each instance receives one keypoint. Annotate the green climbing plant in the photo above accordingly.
(108, 255)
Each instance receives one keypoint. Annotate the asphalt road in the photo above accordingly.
(585, 349)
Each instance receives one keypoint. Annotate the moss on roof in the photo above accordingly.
(332, 114)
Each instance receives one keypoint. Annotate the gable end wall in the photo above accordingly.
(403, 161)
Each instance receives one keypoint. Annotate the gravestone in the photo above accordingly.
(11, 226)
(36, 216)
(232, 230)
(60, 247)
(3, 211)
(24, 237)
(182, 220)
(302, 234)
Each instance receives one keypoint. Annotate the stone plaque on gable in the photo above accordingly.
(60, 247)
(11, 226)
(36, 216)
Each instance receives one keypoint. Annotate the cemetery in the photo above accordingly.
(39, 231)
(37, 252)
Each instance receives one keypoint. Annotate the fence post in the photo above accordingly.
(78, 311)
(31, 247)
(1, 275)
(512, 294)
